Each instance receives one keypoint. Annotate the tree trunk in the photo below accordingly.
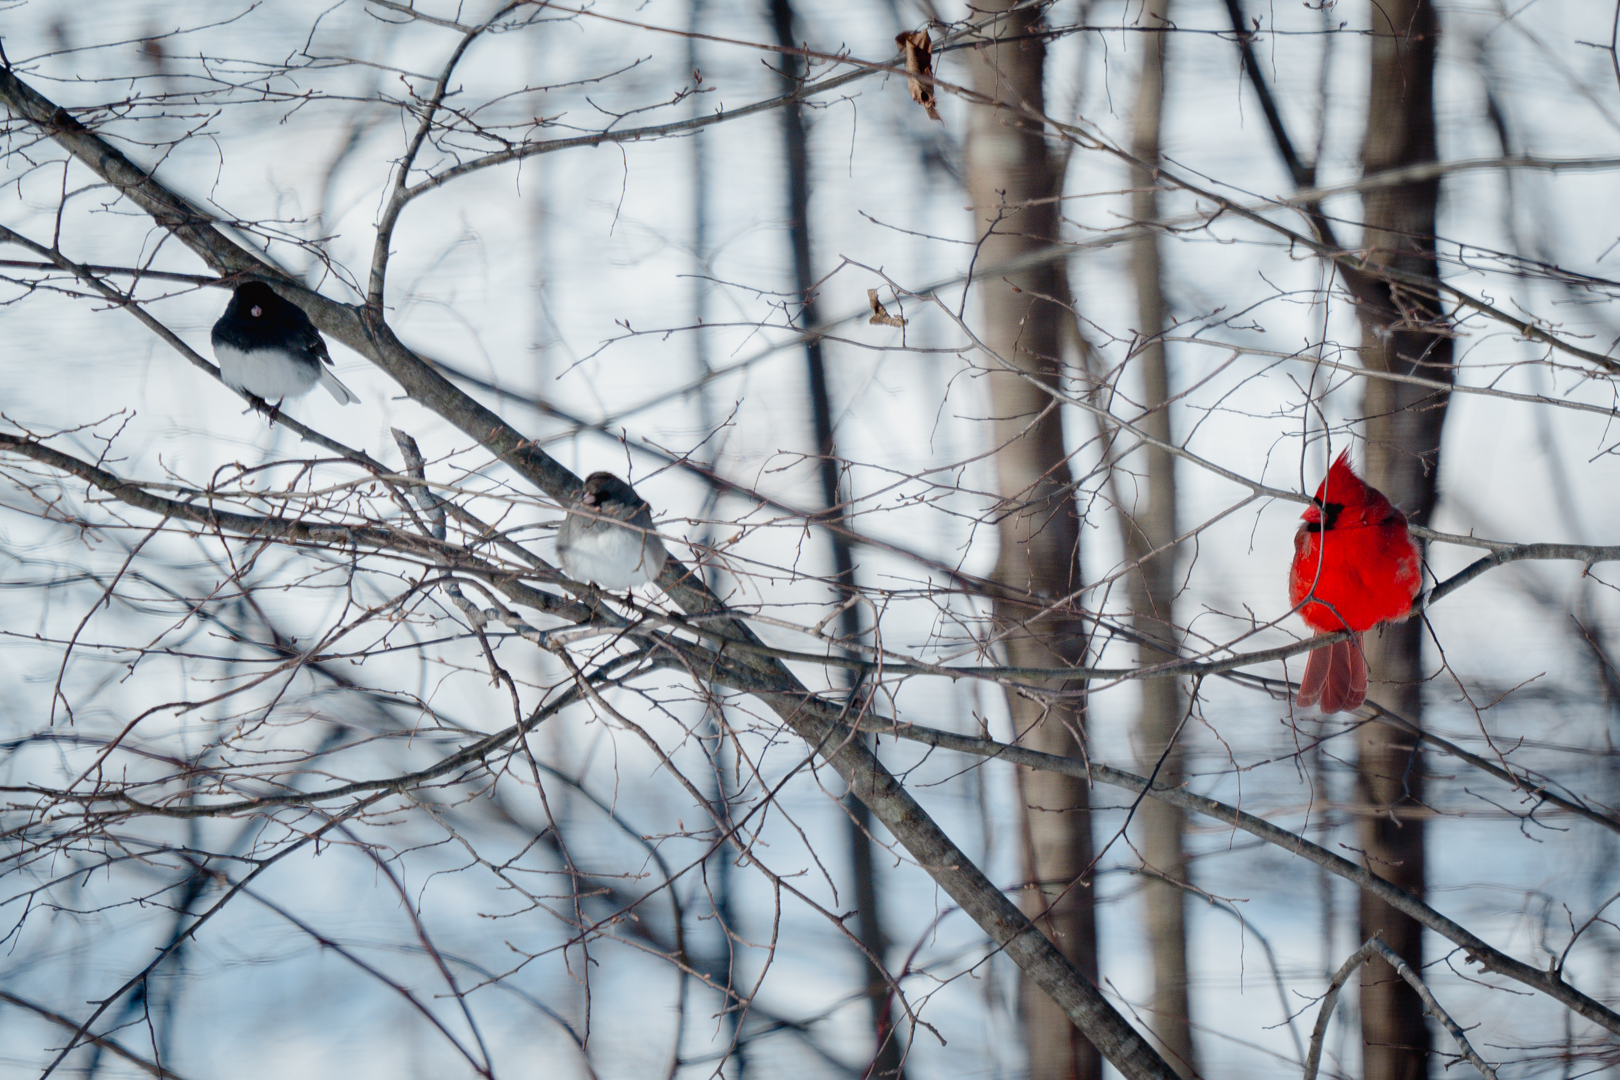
(1403, 330)
(886, 1053)
(720, 966)
(1148, 527)
(1008, 166)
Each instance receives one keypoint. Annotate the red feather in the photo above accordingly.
(1355, 566)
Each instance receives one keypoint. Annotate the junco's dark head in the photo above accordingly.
(255, 300)
(603, 489)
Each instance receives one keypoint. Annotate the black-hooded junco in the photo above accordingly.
(593, 546)
(267, 346)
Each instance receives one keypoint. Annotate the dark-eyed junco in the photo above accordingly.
(267, 346)
(593, 545)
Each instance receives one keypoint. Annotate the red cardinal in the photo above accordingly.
(1356, 564)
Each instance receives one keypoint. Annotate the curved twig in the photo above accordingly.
(1375, 947)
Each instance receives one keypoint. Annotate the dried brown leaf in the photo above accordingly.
(880, 314)
(919, 68)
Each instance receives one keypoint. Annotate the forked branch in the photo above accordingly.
(1376, 947)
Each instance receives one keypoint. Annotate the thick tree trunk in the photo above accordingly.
(1403, 331)
(886, 1053)
(1009, 168)
(1149, 527)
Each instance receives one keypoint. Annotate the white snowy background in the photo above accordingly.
(527, 277)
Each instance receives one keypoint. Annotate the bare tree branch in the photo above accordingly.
(1375, 947)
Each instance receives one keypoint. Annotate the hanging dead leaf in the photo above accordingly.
(880, 315)
(919, 68)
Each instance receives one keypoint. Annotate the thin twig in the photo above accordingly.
(1376, 947)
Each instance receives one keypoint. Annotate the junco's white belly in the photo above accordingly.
(272, 374)
(612, 558)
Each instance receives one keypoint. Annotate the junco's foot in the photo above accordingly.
(267, 346)
(593, 545)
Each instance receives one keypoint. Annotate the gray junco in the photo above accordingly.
(593, 546)
(267, 346)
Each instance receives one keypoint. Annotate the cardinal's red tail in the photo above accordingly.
(1316, 673)
(1358, 674)
(1335, 675)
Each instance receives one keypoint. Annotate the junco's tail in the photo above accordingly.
(344, 395)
